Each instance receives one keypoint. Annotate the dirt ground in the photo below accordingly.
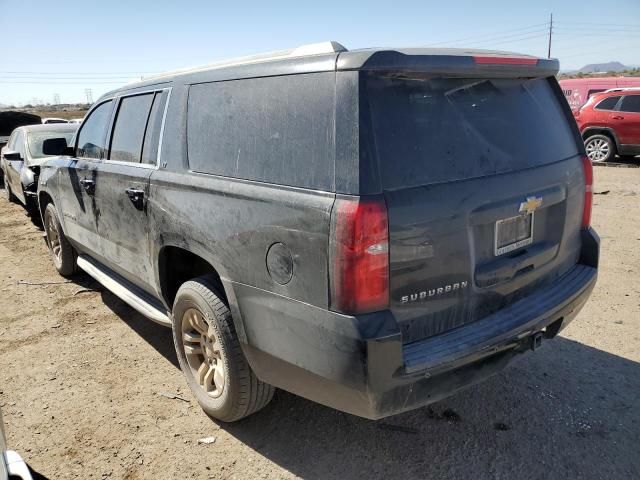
(81, 377)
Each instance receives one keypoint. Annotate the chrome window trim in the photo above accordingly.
(164, 114)
(164, 120)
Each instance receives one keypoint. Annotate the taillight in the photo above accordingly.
(496, 60)
(359, 255)
(588, 191)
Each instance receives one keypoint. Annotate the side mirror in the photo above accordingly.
(12, 156)
(69, 151)
(54, 146)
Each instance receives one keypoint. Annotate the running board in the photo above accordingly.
(126, 295)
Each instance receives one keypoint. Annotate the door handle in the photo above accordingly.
(136, 196)
(88, 185)
(617, 117)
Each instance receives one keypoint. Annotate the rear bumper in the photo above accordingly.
(359, 364)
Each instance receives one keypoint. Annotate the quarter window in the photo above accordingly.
(630, 103)
(92, 136)
(129, 128)
(154, 125)
(608, 103)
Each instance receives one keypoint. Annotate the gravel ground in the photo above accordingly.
(82, 377)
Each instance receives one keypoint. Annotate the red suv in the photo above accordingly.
(610, 123)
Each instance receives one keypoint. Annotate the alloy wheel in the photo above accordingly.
(54, 238)
(597, 150)
(202, 351)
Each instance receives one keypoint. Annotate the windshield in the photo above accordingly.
(431, 130)
(36, 140)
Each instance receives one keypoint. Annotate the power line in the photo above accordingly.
(498, 43)
(600, 24)
(490, 35)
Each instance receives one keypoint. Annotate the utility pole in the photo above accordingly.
(56, 99)
(550, 32)
(89, 93)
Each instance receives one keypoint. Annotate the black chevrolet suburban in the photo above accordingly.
(372, 230)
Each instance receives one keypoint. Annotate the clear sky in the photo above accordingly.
(67, 46)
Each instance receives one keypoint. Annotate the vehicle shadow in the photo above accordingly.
(565, 411)
(158, 336)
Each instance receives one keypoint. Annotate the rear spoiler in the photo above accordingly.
(449, 62)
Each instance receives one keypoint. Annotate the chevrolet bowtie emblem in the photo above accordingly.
(530, 205)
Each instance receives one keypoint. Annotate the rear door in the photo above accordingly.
(122, 185)
(626, 121)
(484, 188)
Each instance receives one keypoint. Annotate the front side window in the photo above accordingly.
(608, 103)
(18, 143)
(630, 103)
(129, 128)
(12, 141)
(92, 136)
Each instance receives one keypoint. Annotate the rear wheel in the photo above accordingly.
(62, 253)
(210, 356)
(600, 148)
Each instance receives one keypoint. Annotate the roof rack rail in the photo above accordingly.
(301, 51)
(621, 89)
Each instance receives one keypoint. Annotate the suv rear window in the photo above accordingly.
(432, 130)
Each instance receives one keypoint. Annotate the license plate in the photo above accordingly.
(513, 233)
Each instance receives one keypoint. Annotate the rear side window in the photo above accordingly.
(128, 131)
(630, 103)
(92, 136)
(273, 129)
(608, 103)
(432, 130)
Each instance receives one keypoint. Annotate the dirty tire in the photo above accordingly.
(242, 393)
(600, 148)
(62, 253)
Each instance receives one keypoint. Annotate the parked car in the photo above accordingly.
(355, 227)
(75, 120)
(11, 120)
(12, 467)
(47, 121)
(610, 124)
(21, 158)
(578, 90)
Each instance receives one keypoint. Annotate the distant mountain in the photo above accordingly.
(604, 67)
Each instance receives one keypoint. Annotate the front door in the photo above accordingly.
(77, 182)
(122, 187)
